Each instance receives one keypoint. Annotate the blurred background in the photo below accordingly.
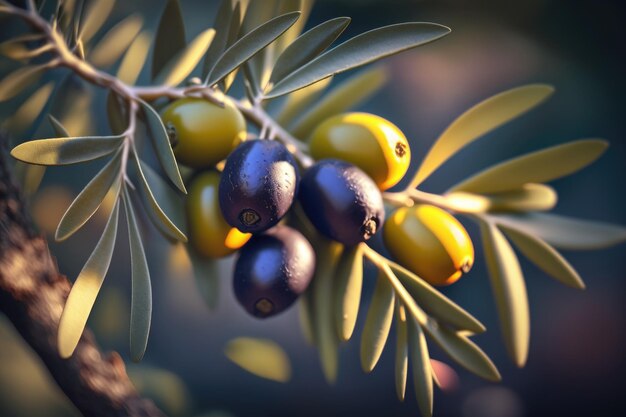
(577, 352)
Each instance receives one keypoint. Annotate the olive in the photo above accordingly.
(272, 270)
(370, 142)
(341, 201)
(430, 242)
(258, 185)
(203, 133)
(209, 233)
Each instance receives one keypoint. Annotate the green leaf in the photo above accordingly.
(116, 41)
(18, 80)
(545, 257)
(249, 45)
(162, 146)
(402, 352)
(541, 166)
(222, 25)
(298, 101)
(162, 221)
(90, 198)
(509, 289)
(344, 97)
(141, 292)
(29, 177)
(360, 50)
(305, 315)
(25, 116)
(308, 46)
(422, 371)
(348, 284)
(478, 121)
(184, 62)
(83, 294)
(529, 197)
(377, 324)
(261, 357)
(65, 151)
(116, 113)
(233, 34)
(96, 14)
(287, 38)
(170, 37)
(134, 59)
(565, 232)
(207, 277)
(58, 127)
(434, 302)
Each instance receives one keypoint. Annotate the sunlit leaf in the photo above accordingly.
(422, 371)
(207, 278)
(170, 37)
(65, 151)
(134, 60)
(162, 146)
(261, 357)
(308, 46)
(95, 15)
(305, 315)
(345, 96)
(116, 41)
(299, 100)
(360, 50)
(250, 44)
(15, 48)
(222, 26)
(184, 62)
(377, 324)
(541, 166)
(141, 298)
(18, 80)
(402, 352)
(509, 289)
(348, 284)
(478, 121)
(26, 115)
(85, 290)
(529, 197)
(90, 198)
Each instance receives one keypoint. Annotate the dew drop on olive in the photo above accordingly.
(272, 270)
(341, 201)
(258, 185)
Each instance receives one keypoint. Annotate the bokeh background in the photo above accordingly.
(577, 353)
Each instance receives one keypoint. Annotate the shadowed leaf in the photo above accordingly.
(422, 371)
(58, 127)
(29, 177)
(118, 120)
(261, 357)
(233, 34)
(402, 352)
(134, 60)
(222, 26)
(299, 100)
(116, 41)
(305, 315)
(96, 14)
(25, 116)
(170, 37)
(206, 275)
(18, 80)
(377, 324)
(348, 284)
(184, 62)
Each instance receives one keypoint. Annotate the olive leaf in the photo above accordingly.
(162, 146)
(170, 37)
(540, 166)
(377, 324)
(564, 232)
(305, 315)
(184, 62)
(478, 121)
(134, 59)
(15, 48)
(509, 288)
(24, 117)
(206, 276)
(529, 197)
(422, 371)
(348, 284)
(141, 292)
(116, 41)
(83, 294)
(18, 80)
(249, 45)
(90, 198)
(29, 177)
(65, 151)
(345, 96)
(261, 357)
(222, 25)
(299, 100)
(58, 127)
(233, 34)
(544, 256)
(360, 50)
(287, 38)
(118, 121)
(308, 46)
(402, 351)
(95, 16)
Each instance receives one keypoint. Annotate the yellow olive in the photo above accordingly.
(203, 133)
(209, 233)
(430, 242)
(368, 141)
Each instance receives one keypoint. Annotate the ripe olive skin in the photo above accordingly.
(341, 201)
(258, 185)
(366, 140)
(203, 133)
(429, 242)
(209, 233)
(272, 270)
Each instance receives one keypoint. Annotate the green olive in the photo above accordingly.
(368, 141)
(209, 233)
(203, 133)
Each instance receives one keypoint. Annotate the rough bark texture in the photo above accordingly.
(32, 295)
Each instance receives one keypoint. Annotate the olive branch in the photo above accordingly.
(264, 45)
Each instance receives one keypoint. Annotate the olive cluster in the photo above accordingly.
(238, 205)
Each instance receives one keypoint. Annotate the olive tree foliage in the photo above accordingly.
(263, 47)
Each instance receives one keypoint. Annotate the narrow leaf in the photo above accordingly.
(116, 41)
(377, 324)
(541, 166)
(116, 113)
(58, 127)
(65, 151)
(222, 25)
(90, 198)
(170, 36)
(298, 101)
(184, 62)
(134, 60)
(348, 284)
(95, 16)
(529, 197)
(422, 370)
(249, 45)
(261, 357)
(233, 34)
(207, 277)
(360, 50)
(305, 315)
(18, 80)
(402, 351)
(478, 121)
(162, 146)
(509, 290)
(29, 177)
(25, 116)
(85, 290)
